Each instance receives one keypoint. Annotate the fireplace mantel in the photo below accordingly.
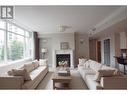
(64, 52)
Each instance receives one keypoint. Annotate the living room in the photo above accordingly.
(42, 40)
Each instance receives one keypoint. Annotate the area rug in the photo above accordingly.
(77, 83)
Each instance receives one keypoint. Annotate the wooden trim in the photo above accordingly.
(98, 51)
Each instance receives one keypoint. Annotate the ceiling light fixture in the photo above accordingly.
(92, 31)
(63, 28)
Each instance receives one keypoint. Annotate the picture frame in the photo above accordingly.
(64, 45)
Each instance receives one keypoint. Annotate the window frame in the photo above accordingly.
(5, 61)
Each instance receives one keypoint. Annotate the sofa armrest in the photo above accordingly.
(11, 82)
(80, 65)
(115, 82)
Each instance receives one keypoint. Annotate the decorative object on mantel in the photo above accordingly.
(44, 51)
(64, 45)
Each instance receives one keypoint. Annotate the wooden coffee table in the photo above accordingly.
(63, 81)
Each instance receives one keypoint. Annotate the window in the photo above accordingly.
(1, 46)
(2, 24)
(15, 47)
(18, 43)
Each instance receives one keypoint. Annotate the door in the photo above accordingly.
(99, 51)
(107, 52)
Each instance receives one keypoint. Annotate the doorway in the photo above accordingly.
(107, 52)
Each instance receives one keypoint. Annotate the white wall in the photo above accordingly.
(123, 43)
(82, 49)
(54, 43)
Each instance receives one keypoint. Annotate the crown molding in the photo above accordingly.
(114, 18)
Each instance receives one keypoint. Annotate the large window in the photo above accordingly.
(17, 43)
(15, 46)
(1, 46)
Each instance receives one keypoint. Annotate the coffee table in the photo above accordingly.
(63, 81)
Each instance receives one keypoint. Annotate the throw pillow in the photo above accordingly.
(42, 62)
(81, 61)
(87, 65)
(103, 73)
(10, 73)
(21, 72)
(36, 64)
(29, 67)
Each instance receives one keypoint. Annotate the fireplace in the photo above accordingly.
(63, 55)
(63, 59)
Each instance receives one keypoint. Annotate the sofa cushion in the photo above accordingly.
(29, 67)
(104, 73)
(35, 64)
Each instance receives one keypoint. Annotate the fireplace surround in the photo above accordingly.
(63, 55)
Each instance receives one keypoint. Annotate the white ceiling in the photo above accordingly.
(46, 19)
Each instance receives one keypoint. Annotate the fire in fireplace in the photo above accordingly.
(62, 59)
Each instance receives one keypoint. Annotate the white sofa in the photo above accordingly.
(18, 82)
(89, 70)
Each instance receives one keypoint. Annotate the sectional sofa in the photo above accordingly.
(99, 76)
(26, 77)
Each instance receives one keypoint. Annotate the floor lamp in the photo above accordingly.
(44, 51)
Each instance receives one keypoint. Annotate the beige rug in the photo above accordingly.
(76, 82)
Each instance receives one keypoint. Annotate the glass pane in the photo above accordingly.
(27, 48)
(2, 24)
(19, 31)
(1, 46)
(27, 34)
(11, 27)
(15, 46)
(15, 29)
